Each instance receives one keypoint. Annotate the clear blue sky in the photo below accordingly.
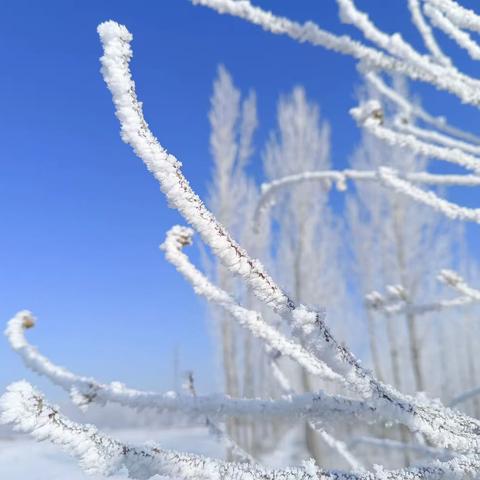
(81, 219)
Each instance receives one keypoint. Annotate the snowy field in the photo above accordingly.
(22, 458)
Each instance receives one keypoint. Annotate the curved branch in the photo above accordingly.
(441, 425)
(390, 178)
(444, 78)
(454, 280)
(462, 39)
(460, 16)
(28, 411)
(82, 389)
(436, 137)
(308, 325)
(167, 169)
(376, 301)
(409, 108)
(395, 45)
(176, 239)
(426, 33)
(331, 441)
(218, 433)
(270, 190)
(85, 390)
(396, 301)
(370, 116)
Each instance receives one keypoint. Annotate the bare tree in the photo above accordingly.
(306, 240)
(232, 126)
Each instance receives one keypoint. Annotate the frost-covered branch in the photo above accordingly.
(376, 301)
(314, 347)
(308, 325)
(396, 301)
(85, 390)
(177, 238)
(370, 116)
(390, 178)
(395, 45)
(415, 66)
(454, 280)
(426, 32)
(270, 190)
(167, 169)
(330, 440)
(409, 109)
(462, 38)
(342, 449)
(462, 17)
(218, 433)
(28, 411)
(433, 136)
(82, 389)
(460, 432)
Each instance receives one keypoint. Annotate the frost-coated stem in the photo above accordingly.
(85, 390)
(167, 169)
(82, 389)
(393, 44)
(28, 411)
(217, 432)
(436, 137)
(308, 325)
(370, 117)
(390, 178)
(342, 450)
(279, 376)
(270, 190)
(396, 302)
(444, 78)
(177, 238)
(462, 38)
(331, 441)
(410, 109)
(454, 280)
(460, 16)
(439, 424)
(426, 32)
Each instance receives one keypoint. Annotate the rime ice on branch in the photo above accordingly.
(313, 346)
(179, 237)
(27, 410)
(86, 390)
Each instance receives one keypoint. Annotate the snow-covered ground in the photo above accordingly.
(22, 458)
